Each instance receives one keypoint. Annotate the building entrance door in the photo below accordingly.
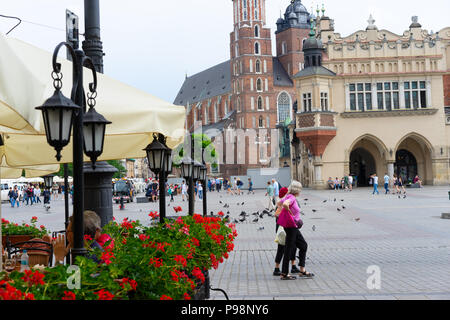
(405, 165)
(362, 165)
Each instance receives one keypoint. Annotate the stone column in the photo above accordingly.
(317, 180)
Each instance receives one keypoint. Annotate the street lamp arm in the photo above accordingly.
(87, 62)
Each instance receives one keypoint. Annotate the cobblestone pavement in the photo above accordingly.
(405, 238)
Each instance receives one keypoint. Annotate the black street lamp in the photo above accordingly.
(197, 171)
(159, 158)
(48, 181)
(94, 132)
(60, 114)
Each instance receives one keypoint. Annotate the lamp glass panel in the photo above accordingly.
(87, 133)
(99, 136)
(66, 123)
(53, 123)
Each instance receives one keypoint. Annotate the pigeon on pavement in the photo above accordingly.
(313, 228)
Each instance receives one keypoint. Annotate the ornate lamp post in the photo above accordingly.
(60, 114)
(159, 158)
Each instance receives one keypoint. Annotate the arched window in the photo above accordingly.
(259, 85)
(284, 107)
(236, 50)
(260, 104)
(238, 104)
(257, 48)
(260, 122)
(256, 10)
(258, 66)
(256, 30)
(225, 111)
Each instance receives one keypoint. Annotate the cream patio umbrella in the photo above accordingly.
(25, 83)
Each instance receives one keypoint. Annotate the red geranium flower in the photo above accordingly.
(164, 297)
(177, 209)
(69, 295)
(104, 295)
(186, 296)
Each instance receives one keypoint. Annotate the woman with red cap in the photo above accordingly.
(291, 221)
(280, 248)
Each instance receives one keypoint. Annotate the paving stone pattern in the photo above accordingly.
(405, 238)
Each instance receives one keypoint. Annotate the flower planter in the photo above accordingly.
(202, 291)
(15, 238)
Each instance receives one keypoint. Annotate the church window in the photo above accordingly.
(256, 11)
(256, 31)
(260, 104)
(284, 107)
(245, 9)
(257, 48)
(258, 66)
(260, 122)
(251, 65)
(259, 85)
(284, 48)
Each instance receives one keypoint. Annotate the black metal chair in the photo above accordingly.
(35, 250)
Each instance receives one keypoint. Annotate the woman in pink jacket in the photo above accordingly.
(291, 221)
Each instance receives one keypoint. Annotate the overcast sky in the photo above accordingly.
(152, 44)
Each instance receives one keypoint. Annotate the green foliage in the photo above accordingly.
(9, 228)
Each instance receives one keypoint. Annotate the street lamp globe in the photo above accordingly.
(203, 171)
(48, 181)
(196, 171)
(187, 167)
(156, 153)
(94, 126)
(168, 161)
(58, 113)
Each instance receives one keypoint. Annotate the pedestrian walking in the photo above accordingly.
(386, 182)
(184, 190)
(269, 195)
(200, 190)
(276, 190)
(350, 182)
(280, 247)
(47, 195)
(375, 183)
(15, 197)
(10, 196)
(37, 194)
(291, 221)
(250, 186)
(400, 186)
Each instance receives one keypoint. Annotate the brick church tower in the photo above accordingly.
(252, 85)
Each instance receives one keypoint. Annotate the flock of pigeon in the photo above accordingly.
(257, 216)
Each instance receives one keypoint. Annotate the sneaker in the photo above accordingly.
(277, 272)
(294, 269)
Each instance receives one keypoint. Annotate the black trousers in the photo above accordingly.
(294, 239)
(280, 250)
